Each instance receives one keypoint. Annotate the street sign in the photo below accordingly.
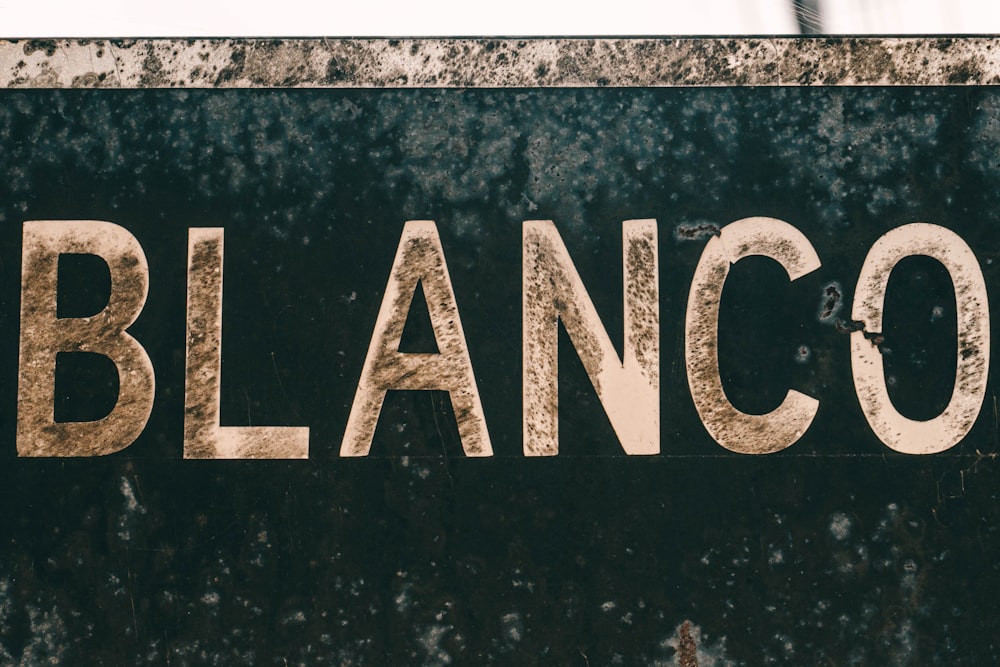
(563, 351)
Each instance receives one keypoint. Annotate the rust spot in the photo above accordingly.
(152, 71)
(965, 71)
(848, 326)
(876, 339)
(687, 648)
(560, 298)
(696, 231)
(88, 80)
(199, 397)
(339, 70)
(48, 46)
(642, 302)
(831, 302)
(234, 69)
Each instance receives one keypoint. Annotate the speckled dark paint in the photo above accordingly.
(836, 551)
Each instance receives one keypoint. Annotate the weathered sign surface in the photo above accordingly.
(568, 352)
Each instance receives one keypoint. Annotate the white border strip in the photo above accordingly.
(499, 63)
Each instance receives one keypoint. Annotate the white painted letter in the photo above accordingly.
(735, 430)
(552, 291)
(419, 259)
(947, 429)
(44, 334)
(204, 438)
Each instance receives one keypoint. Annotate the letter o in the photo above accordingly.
(948, 428)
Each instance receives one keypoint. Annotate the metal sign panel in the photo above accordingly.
(569, 352)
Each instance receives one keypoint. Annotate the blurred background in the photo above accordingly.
(289, 18)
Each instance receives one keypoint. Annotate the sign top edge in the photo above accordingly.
(507, 62)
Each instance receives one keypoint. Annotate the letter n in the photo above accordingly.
(552, 292)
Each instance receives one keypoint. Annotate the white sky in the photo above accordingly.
(912, 16)
(288, 18)
(358, 18)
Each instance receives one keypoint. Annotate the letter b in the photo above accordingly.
(44, 334)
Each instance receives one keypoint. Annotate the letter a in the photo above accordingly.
(419, 258)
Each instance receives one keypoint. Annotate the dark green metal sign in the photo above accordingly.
(638, 352)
